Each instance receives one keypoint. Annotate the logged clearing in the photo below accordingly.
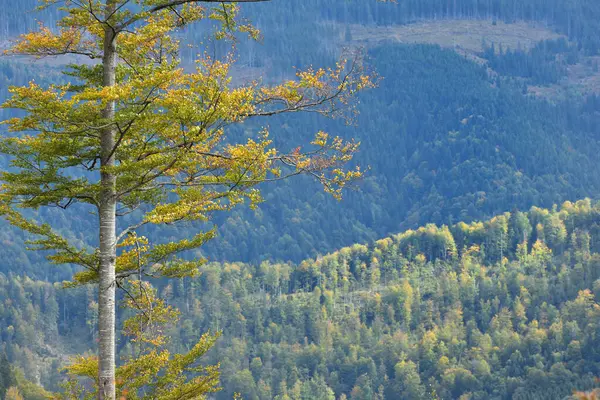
(582, 78)
(468, 37)
(465, 35)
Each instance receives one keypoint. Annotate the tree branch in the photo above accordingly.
(175, 3)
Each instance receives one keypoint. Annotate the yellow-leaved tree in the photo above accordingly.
(135, 134)
(153, 373)
(13, 394)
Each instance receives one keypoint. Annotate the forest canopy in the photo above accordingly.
(504, 308)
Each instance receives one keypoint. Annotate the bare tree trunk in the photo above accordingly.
(107, 215)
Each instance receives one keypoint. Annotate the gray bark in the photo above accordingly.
(107, 215)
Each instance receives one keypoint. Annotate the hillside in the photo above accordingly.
(468, 35)
(506, 308)
(412, 183)
(463, 265)
(445, 139)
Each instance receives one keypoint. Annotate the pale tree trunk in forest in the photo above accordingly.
(189, 160)
(107, 215)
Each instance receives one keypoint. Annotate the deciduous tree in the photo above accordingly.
(132, 133)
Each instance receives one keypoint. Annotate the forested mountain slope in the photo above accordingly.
(502, 309)
(444, 138)
(578, 19)
(444, 142)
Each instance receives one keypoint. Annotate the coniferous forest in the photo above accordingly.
(500, 309)
(461, 262)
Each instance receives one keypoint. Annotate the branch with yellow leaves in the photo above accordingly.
(154, 373)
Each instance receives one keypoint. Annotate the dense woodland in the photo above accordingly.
(577, 19)
(506, 308)
(444, 140)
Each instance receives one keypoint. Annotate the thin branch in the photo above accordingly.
(175, 3)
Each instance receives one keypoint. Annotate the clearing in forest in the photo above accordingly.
(468, 37)
(465, 35)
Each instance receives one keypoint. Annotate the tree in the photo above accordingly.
(28, 389)
(593, 395)
(13, 394)
(316, 388)
(153, 373)
(519, 229)
(407, 383)
(134, 135)
(7, 378)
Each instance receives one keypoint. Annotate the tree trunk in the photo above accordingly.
(107, 215)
